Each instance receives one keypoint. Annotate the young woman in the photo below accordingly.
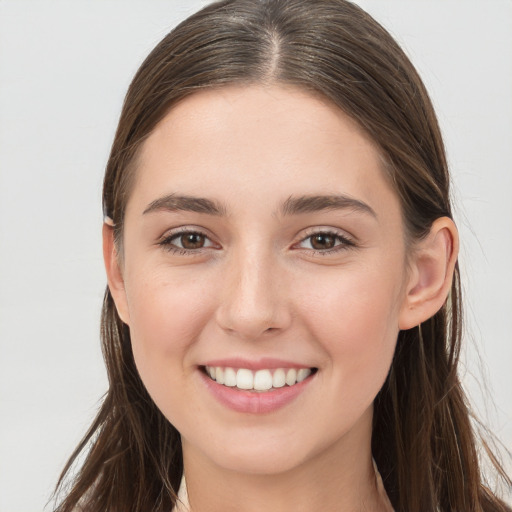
(282, 321)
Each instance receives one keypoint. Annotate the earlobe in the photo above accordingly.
(432, 267)
(114, 274)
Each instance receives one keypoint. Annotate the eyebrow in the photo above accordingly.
(316, 203)
(173, 202)
(292, 206)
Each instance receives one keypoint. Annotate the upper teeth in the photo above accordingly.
(261, 380)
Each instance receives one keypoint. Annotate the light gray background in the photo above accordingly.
(64, 69)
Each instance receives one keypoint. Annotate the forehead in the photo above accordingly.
(280, 139)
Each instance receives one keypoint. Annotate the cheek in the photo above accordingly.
(166, 318)
(166, 309)
(354, 317)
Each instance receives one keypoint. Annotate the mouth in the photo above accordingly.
(257, 381)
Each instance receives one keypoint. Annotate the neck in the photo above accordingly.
(340, 478)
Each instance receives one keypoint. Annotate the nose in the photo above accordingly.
(253, 300)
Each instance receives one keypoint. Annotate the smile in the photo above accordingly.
(259, 390)
(260, 380)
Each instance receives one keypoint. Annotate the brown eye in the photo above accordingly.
(326, 242)
(322, 241)
(187, 242)
(192, 240)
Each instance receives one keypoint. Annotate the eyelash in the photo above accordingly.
(342, 242)
(167, 242)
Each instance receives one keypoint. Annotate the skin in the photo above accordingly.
(258, 288)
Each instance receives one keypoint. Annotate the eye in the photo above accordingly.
(186, 241)
(322, 241)
(190, 240)
(325, 241)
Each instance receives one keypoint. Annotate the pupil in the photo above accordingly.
(323, 241)
(192, 241)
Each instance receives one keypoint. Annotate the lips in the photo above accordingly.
(256, 388)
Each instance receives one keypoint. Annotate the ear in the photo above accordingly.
(431, 273)
(114, 273)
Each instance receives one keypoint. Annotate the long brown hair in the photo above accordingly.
(423, 440)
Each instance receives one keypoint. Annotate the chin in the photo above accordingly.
(251, 450)
(259, 461)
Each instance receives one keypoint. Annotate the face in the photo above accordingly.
(263, 247)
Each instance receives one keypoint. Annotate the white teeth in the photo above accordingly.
(279, 378)
(291, 377)
(229, 377)
(302, 374)
(261, 380)
(244, 379)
